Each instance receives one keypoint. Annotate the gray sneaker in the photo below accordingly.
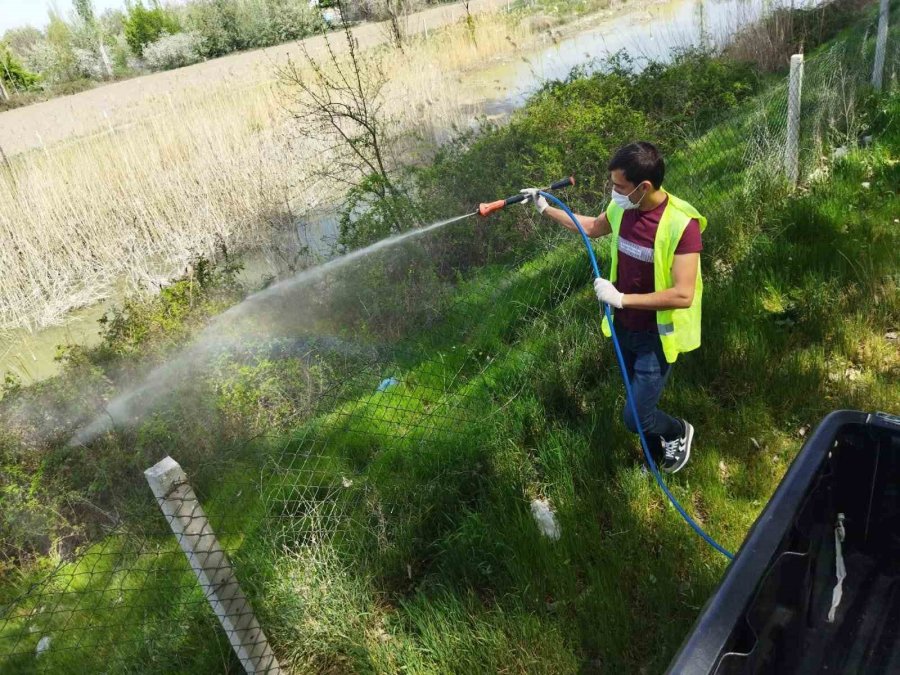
(677, 452)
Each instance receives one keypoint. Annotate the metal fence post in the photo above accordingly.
(181, 508)
(792, 146)
(880, 46)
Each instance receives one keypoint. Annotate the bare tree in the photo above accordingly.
(396, 11)
(339, 109)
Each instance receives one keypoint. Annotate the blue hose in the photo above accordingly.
(654, 470)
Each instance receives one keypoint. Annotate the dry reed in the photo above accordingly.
(206, 165)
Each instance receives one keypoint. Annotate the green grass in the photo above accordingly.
(474, 587)
(804, 296)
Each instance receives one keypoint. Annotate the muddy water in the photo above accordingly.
(648, 32)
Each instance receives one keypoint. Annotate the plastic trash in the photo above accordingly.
(545, 518)
(387, 383)
(43, 645)
(840, 570)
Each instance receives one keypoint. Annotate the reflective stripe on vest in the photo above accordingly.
(679, 329)
(629, 248)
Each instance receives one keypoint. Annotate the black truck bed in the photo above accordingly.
(770, 612)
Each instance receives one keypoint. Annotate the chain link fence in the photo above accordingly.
(405, 365)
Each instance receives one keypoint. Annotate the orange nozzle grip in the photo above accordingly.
(489, 207)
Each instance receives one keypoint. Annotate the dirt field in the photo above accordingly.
(116, 105)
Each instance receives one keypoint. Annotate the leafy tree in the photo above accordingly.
(143, 25)
(63, 65)
(89, 43)
(338, 103)
(85, 11)
(217, 23)
(112, 21)
(13, 74)
(21, 40)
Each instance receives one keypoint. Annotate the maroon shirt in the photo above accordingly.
(635, 272)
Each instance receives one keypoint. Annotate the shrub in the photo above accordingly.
(143, 26)
(20, 40)
(173, 51)
(89, 64)
(14, 73)
(291, 21)
(43, 58)
(694, 88)
(216, 21)
(205, 289)
(373, 210)
(229, 25)
(376, 10)
(122, 60)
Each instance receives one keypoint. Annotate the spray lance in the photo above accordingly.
(489, 207)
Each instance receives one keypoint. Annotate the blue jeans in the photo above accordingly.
(648, 372)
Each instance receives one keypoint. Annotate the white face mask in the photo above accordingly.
(623, 201)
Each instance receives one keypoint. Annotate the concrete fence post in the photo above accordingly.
(880, 46)
(179, 504)
(792, 145)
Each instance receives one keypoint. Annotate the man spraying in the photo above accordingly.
(654, 287)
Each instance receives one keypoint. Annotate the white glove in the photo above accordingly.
(533, 195)
(607, 293)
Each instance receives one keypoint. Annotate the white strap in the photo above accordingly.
(839, 569)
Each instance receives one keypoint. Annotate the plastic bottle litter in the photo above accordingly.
(43, 645)
(387, 383)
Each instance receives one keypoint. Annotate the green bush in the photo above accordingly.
(693, 90)
(289, 20)
(13, 73)
(143, 25)
(216, 21)
(143, 324)
(230, 25)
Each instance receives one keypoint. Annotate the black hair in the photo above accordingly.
(640, 161)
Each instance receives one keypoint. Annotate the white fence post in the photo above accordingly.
(198, 541)
(792, 146)
(880, 46)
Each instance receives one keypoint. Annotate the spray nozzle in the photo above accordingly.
(489, 207)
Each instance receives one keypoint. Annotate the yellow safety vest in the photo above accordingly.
(679, 329)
